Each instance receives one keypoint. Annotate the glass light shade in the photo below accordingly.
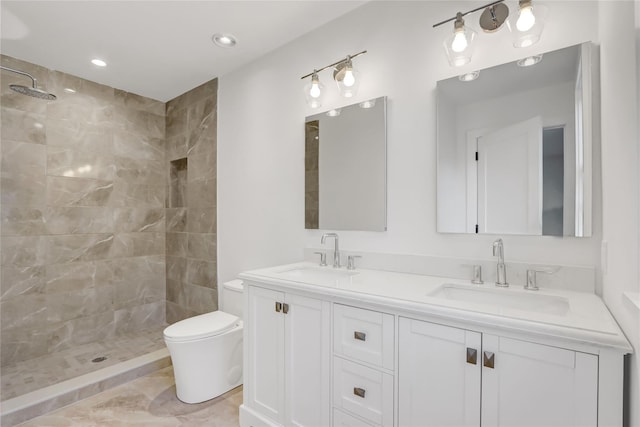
(347, 79)
(313, 92)
(459, 46)
(526, 26)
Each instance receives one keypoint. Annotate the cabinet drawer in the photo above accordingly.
(363, 391)
(342, 419)
(363, 335)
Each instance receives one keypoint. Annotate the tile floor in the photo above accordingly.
(24, 377)
(147, 401)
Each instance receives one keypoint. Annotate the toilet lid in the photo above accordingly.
(204, 325)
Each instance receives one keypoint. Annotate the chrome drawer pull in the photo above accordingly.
(359, 336)
(359, 392)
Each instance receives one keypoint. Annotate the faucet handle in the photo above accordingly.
(532, 284)
(323, 258)
(351, 261)
(477, 275)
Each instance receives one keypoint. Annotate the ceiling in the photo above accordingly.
(157, 49)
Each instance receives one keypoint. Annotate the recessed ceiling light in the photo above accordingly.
(368, 104)
(224, 40)
(98, 62)
(529, 61)
(469, 77)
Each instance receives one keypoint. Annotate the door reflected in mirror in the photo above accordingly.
(514, 148)
(345, 168)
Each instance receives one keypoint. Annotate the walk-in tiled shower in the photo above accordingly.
(95, 255)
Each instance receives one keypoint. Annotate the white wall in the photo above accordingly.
(261, 135)
(619, 78)
(261, 142)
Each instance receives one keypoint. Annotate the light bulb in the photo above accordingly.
(349, 78)
(526, 19)
(315, 91)
(459, 43)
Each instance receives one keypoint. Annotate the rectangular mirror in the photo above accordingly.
(346, 168)
(515, 147)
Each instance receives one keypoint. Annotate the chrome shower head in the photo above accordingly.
(30, 91)
(33, 91)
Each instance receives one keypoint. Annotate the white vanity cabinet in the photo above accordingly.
(287, 345)
(455, 377)
(326, 347)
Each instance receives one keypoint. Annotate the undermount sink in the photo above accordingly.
(503, 298)
(317, 274)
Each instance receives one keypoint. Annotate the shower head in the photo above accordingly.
(33, 91)
(30, 91)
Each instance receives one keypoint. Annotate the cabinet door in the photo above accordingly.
(536, 385)
(265, 353)
(438, 384)
(308, 358)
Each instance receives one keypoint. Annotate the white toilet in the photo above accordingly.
(206, 350)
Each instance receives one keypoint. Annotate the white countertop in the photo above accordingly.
(584, 319)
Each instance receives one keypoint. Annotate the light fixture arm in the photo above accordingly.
(22, 73)
(342, 61)
(468, 12)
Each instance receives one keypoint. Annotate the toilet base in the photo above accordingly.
(208, 367)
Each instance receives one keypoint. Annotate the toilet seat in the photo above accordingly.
(202, 326)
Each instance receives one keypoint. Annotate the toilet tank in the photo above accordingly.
(232, 299)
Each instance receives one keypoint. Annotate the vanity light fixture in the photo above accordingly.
(525, 28)
(314, 90)
(345, 76)
(469, 77)
(527, 25)
(459, 44)
(529, 61)
(526, 18)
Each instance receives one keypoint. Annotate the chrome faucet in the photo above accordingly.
(336, 250)
(498, 250)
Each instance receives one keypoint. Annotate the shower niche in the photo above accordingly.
(178, 183)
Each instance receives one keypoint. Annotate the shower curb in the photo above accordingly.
(30, 405)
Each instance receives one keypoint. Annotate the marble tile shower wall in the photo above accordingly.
(83, 214)
(191, 215)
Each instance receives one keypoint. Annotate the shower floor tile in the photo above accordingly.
(29, 375)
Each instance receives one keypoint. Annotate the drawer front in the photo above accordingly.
(363, 391)
(342, 419)
(363, 335)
